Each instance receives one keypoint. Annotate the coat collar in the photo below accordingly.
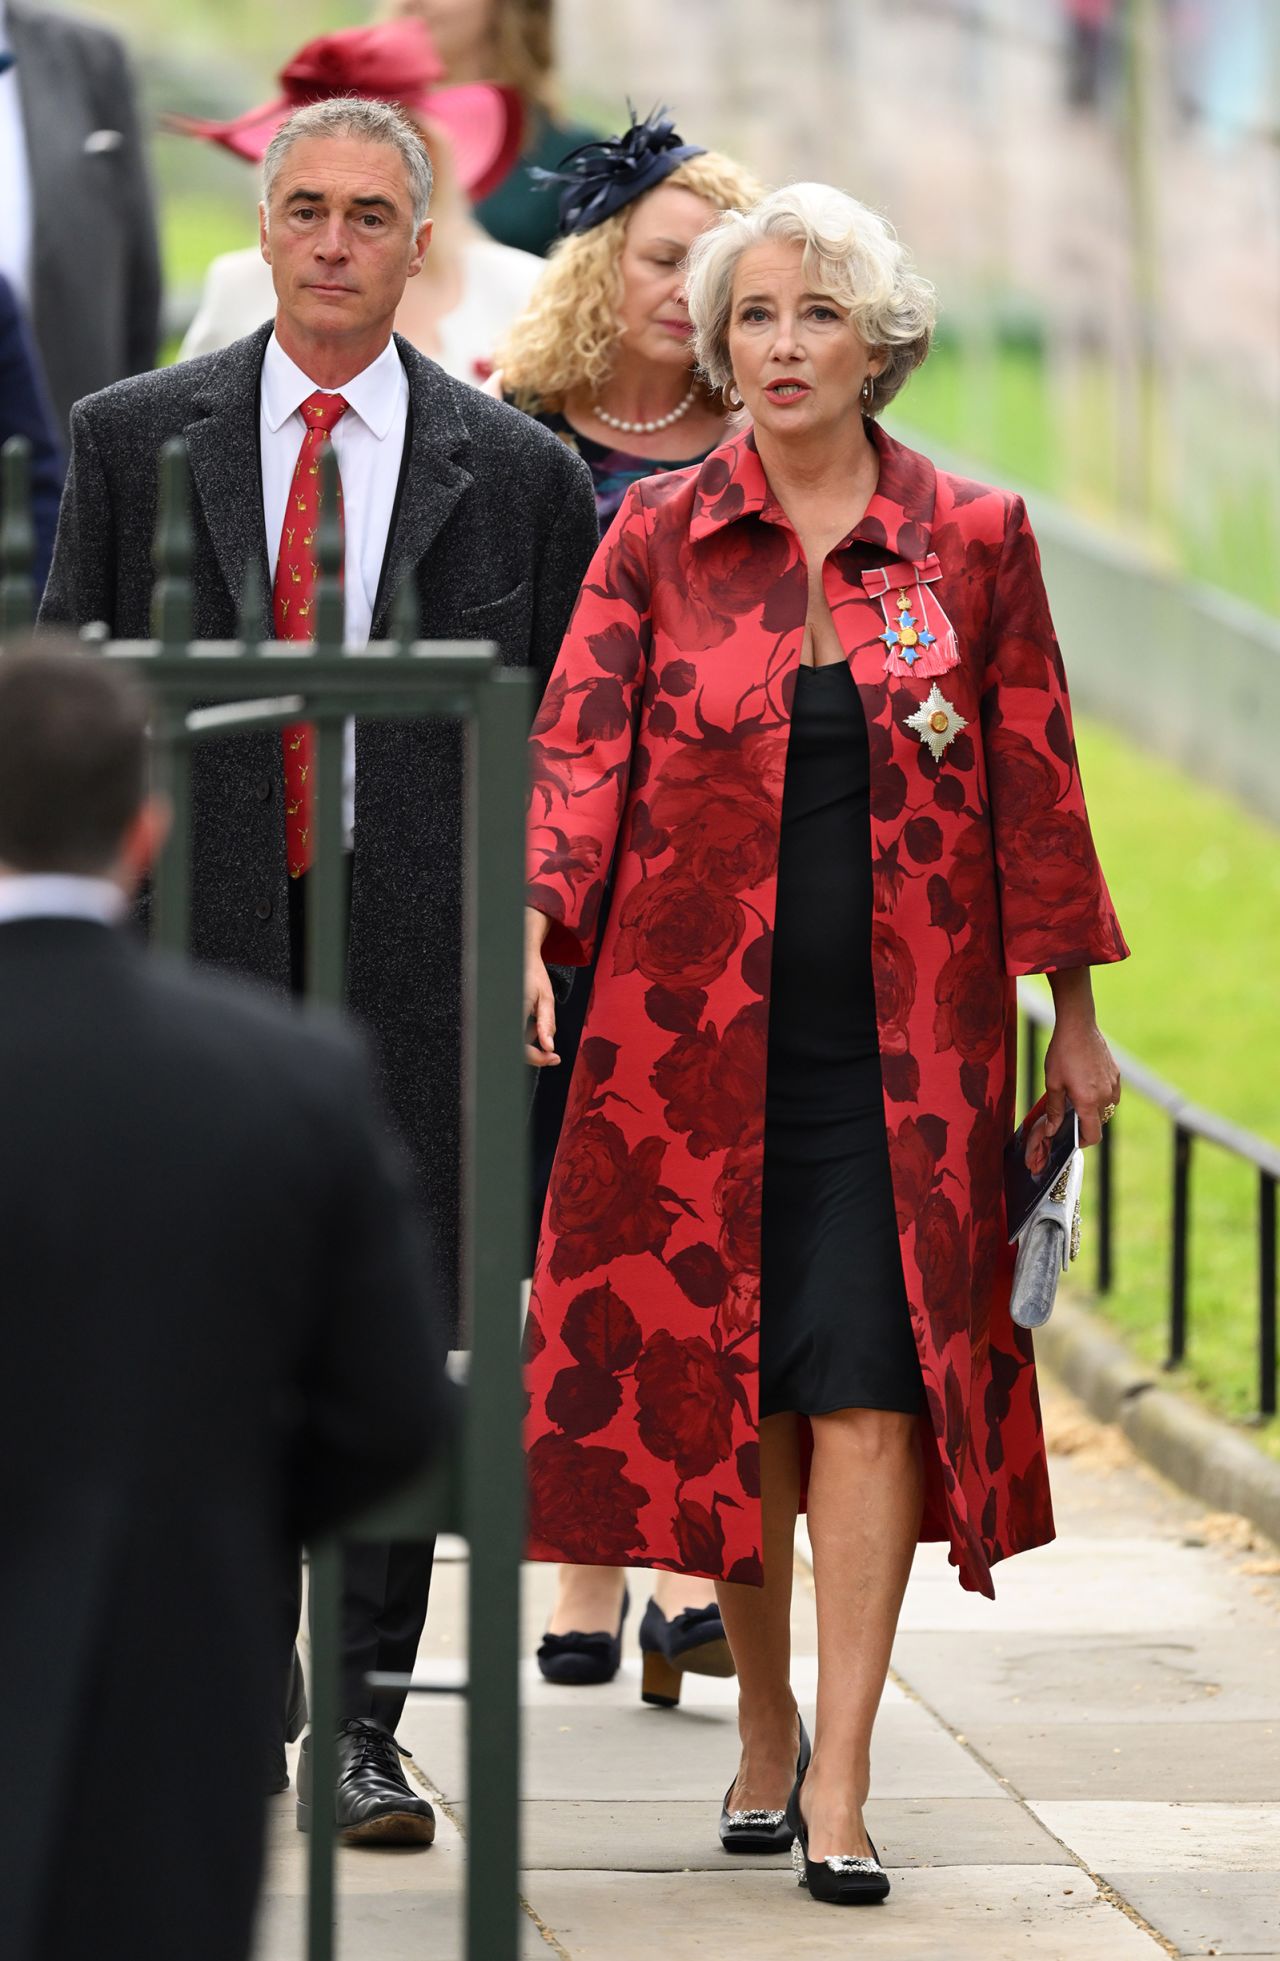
(222, 448)
(731, 484)
(222, 443)
(432, 478)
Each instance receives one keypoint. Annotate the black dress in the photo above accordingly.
(834, 1326)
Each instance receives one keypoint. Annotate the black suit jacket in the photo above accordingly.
(496, 524)
(95, 297)
(215, 1339)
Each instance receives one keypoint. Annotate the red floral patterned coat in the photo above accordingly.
(661, 749)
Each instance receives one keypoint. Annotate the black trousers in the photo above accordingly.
(384, 1588)
(384, 1610)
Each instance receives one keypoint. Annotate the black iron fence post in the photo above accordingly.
(493, 1484)
(1180, 1247)
(1106, 1199)
(326, 951)
(1030, 1061)
(326, 976)
(17, 539)
(171, 624)
(1267, 1293)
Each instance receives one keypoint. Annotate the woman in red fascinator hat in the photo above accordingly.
(470, 287)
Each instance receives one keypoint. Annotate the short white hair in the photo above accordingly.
(850, 252)
(372, 122)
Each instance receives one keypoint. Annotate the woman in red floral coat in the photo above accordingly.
(812, 711)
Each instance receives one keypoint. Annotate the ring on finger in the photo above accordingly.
(1107, 1112)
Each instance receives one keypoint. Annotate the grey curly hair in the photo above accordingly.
(850, 252)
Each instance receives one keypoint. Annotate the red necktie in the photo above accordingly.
(292, 599)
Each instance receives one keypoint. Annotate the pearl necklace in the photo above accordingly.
(648, 428)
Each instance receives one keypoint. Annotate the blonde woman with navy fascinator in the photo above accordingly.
(603, 355)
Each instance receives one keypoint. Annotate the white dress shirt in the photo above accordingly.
(15, 180)
(369, 444)
(58, 895)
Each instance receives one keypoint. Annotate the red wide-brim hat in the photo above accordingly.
(393, 61)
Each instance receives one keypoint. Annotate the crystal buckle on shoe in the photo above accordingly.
(838, 1863)
(739, 1820)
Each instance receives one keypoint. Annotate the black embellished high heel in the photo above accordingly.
(761, 1831)
(693, 1643)
(583, 1660)
(839, 1881)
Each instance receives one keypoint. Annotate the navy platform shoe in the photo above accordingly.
(694, 1643)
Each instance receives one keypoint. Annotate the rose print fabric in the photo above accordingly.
(661, 748)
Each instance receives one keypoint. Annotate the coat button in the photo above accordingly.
(263, 908)
(262, 789)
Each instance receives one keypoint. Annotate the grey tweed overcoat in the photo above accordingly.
(497, 520)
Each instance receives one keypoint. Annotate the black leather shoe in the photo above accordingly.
(839, 1881)
(373, 1803)
(693, 1643)
(583, 1660)
(762, 1831)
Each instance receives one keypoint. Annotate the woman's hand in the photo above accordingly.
(539, 1001)
(1077, 1065)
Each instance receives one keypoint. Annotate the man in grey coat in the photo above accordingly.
(77, 222)
(493, 520)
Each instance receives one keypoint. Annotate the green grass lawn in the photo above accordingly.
(1196, 882)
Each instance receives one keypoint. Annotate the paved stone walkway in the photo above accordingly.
(1089, 1770)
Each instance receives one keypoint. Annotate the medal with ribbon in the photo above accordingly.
(918, 637)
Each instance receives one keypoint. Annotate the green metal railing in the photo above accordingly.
(204, 691)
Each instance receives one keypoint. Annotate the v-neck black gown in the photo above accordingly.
(834, 1326)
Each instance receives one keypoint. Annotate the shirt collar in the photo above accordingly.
(899, 519)
(375, 393)
(57, 895)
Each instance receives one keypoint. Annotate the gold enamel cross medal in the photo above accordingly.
(918, 639)
(910, 637)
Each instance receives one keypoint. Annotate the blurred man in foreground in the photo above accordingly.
(215, 1344)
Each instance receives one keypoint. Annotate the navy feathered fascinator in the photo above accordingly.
(602, 177)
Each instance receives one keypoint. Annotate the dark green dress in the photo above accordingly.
(521, 212)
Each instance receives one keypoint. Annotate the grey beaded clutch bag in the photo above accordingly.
(1047, 1244)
